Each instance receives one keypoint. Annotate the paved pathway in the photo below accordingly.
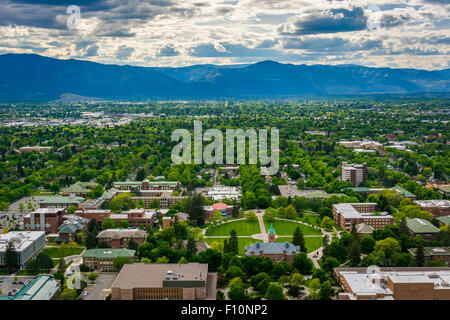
(263, 235)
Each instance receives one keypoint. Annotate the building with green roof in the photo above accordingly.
(404, 192)
(43, 287)
(60, 202)
(421, 227)
(445, 220)
(433, 253)
(103, 259)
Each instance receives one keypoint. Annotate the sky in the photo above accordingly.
(172, 33)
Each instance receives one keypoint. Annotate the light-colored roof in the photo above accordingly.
(121, 233)
(140, 275)
(433, 203)
(21, 239)
(364, 228)
(59, 199)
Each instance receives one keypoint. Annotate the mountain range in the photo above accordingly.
(30, 77)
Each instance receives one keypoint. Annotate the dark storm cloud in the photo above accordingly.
(51, 14)
(326, 21)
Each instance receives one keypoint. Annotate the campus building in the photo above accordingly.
(223, 208)
(276, 251)
(60, 202)
(79, 189)
(43, 287)
(438, 208)
(218, 193)
(26, 243)
(136, 217)
(44, 219)
(418, 283)
(71, 226)
(355, 173)
(97, 215)
(433, 253)
(147, 185)
(102, 260)
(119, 238)
(421, 227)
(166, 200)
(345, 214)
(139, 281)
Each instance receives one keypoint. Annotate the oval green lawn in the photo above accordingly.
(287, 228)
(242, 228)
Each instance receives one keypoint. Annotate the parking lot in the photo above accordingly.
(102, 286)
(9, 285)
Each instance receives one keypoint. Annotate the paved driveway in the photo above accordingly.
(102, 286)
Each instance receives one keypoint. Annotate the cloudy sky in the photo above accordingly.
(383, 33)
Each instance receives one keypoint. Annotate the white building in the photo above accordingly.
(223, 192)
(26, 243)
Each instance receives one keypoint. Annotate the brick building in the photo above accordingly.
(71, 226)
(421, 227)
(119, 238)
(355, 173)
(276, 251)
(438, 208)
(44, 219)
(139, 281)
(136, 217)
(97, 215)
(433, 253)
(102, 260)
(345, 214)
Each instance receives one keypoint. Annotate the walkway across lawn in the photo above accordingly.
(242, 228)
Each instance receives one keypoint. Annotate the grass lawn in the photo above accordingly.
(287, 228)
(312, 243)
(242, 242)
(242, 228)
(314, 220)
(57, 252)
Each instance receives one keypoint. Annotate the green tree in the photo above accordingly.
(274, 292)
(327, 223)
(420, 255)
(298, 239)
(367, 244)
(354, 254)
(108, 223)
(389, 246)
(10, 258)
(233, 242)
(132, 244)
(302, 263)
(326, 291)
(119, 262)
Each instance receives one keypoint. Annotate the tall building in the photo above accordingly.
(139, 281)
(26, 243)
(355, 173)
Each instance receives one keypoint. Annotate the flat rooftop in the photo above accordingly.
(433, 203)
(22, 239)
(363, 282)
(141, 275)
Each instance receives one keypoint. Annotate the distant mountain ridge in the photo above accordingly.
(33, 77)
